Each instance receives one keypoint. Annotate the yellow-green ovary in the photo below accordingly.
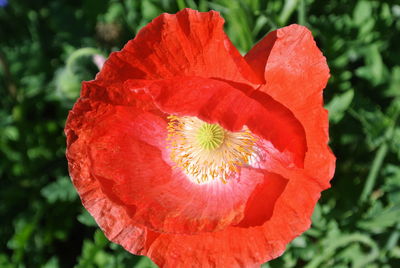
(210, 136)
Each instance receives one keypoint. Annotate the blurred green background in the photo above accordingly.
(46, 50)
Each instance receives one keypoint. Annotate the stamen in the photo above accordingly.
(208, 151)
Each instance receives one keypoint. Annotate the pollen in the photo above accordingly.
(205, 151)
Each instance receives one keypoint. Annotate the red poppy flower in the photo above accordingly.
(189, 153)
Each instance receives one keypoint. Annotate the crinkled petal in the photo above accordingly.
(111, 217)
(220, 102)
(296, 73)
(238, 246)
(186, 43)
(124, 151)
(184, 64)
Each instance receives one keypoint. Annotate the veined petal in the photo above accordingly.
(123, 151)
(184, 65)
(187, 43)
(296, 73)
(113, 218)
(238, 246)
(219, 102)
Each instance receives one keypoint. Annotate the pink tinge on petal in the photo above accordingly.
(219, 102)
(126, 153)
(99, 60)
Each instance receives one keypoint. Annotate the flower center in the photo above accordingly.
(207, 151)
(210, 136)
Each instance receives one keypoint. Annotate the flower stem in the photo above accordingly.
(86, 51)
(378, 160)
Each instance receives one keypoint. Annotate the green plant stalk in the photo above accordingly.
(86, 51)
(301, 13)
(126, 11)
(393, 238)
(203, 6)
(181, 4)
(378, 161)
(374, 171)
(287, 11)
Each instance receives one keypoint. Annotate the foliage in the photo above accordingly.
(46, 49)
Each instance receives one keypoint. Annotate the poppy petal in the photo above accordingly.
(296, 73)
(186, 43)
(238, 246)
(185, 65)
(125, 151)
(112, 218)
(217, 101)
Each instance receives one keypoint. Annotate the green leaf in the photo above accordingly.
(362, 12)
(60, 190)
(68, 84)
(5, 262)
(150, 10)
(392, 184)
(145, 263)
(338, 106)
(93, 254)
(86, 219)
(374, 69)
(374, 124)
(52, 263)
(394, 87)
(379, 218)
